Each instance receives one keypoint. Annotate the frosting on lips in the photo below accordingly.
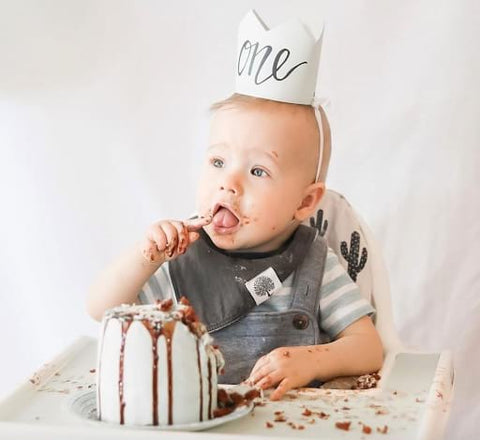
(225, 218)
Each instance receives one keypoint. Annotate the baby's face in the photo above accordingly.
(259, 163)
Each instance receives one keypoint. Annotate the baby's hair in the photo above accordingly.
(238, 100)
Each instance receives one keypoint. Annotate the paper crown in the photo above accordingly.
(280, 63)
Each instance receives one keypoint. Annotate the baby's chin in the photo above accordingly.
(237, 242)
(227, 242)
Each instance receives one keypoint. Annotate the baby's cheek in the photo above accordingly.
(202, 204)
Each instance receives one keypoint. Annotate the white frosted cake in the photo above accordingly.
(156, 366)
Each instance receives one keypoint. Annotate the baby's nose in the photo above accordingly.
(230, 188)
(231, 185)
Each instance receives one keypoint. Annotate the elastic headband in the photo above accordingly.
(318, 117)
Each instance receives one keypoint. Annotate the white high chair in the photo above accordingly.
(403, 369)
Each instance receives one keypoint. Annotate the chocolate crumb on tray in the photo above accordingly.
(345, 426)
(367, 381)
(364, 382)
(366, 429)
(306, 412)
(383, 430)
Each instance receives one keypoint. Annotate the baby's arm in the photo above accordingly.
(123, 280)
(357, 350)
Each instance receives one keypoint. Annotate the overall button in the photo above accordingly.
(300, 322)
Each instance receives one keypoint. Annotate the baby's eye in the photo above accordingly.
(258, 172)
(217, 163)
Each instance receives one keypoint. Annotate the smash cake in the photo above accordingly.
(157, 365)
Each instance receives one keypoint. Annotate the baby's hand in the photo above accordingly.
(167, 239)
(287, 367)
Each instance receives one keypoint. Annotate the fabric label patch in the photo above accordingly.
(264, 285)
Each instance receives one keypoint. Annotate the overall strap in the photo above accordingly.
(308, 278)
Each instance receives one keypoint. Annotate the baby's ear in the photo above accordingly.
(312, 196)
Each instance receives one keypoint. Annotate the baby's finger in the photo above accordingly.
(261, 373)
(159, 237)
(284, 386)
(182, 237)
(270, 379)
(195, 224)
(172, 238)
(258, 365)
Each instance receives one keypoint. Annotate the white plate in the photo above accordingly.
(84, 405)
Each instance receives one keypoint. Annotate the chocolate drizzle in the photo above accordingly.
(209, 388)
(155, 331)
(201, 381)
(168, 332)
(125, 325)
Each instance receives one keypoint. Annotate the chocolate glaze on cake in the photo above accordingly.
(159, 320)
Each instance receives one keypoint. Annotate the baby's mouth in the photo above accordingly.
(224, 217)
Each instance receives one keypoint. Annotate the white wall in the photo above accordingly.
(103, 117)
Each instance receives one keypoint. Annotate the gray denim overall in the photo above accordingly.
(244, 334)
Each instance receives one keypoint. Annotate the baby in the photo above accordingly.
(281, 307)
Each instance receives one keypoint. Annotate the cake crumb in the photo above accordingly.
(367, 381)
(35, 379)
(165, 305)
(92, 370)
(220, 412)
(252, 394)
(366, 429)
(383, 430)
(345, 426)
(306, 412)
(269, 424)
(229, 402)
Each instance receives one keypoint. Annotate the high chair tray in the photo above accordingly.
(411, 402)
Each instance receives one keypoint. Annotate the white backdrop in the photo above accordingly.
(103, 119)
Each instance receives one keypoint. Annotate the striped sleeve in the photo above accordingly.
(341, 302)
(158, 287)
